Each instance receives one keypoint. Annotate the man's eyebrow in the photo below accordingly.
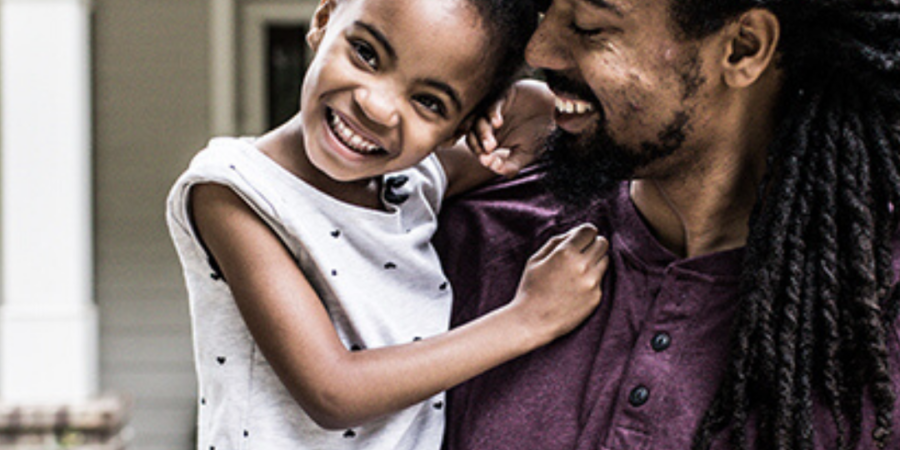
(446, 89)
(603, 4)
(379, 36)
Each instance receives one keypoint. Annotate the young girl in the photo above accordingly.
(319, 308)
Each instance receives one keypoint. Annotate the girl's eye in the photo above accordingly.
(365, 53)
(432, 104)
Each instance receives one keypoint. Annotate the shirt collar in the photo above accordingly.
(632, 236)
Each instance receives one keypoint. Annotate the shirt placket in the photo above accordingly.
(649, 378)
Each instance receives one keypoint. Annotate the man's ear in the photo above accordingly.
(319, 24)
(752, 42)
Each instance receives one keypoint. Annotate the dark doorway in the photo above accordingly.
(286, 65)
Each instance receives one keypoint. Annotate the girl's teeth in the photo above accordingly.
(351, 139)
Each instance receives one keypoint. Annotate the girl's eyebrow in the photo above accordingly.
(383, 40)
(446, 89)
(379, 36)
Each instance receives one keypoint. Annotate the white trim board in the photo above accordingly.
(238, 92)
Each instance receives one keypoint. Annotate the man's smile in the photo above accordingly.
(567, 106)
(574, 115)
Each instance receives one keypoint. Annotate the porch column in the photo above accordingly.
(48, 319)
(223, 71)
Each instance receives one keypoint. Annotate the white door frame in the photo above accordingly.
(238, 80)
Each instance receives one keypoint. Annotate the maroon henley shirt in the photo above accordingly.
(636, 375)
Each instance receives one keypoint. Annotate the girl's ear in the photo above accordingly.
(319, 24)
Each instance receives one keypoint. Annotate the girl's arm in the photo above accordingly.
(339, 388)
(508, 139)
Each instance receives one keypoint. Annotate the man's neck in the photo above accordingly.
(707, 213)
(704, 204)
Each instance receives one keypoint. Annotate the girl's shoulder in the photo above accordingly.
(223, 153)
(231, 162)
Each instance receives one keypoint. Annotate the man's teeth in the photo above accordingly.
(573, 106)
(351, 139)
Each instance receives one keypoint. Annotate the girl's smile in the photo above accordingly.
(391, 81)
(353, 140)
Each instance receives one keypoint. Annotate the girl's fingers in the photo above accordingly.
(480, 136)
(474, 143)
(496, 115)
(597, 250)
(502, 162)
(500, 157)
(548, 247)
(582, 236)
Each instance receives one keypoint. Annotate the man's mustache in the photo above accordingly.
(562, 83)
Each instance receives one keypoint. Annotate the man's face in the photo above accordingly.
(629, 93)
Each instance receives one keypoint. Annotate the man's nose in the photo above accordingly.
(378, 105)
(544, 50)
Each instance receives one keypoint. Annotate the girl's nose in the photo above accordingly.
(378, 105)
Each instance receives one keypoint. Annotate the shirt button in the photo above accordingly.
(639, 396)
(661, 341)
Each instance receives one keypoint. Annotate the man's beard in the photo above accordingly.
(593, 164)
(585, 167)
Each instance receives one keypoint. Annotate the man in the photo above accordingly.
(743, 158)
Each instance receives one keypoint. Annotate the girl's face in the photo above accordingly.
(391, 80)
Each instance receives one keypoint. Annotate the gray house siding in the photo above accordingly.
(151, 92)
(150, 101)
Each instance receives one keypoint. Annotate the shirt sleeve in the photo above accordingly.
(220, 163)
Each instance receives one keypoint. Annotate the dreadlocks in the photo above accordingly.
(816, 296)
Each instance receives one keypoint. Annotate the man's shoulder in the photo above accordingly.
(520, 209)
(486, 236)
